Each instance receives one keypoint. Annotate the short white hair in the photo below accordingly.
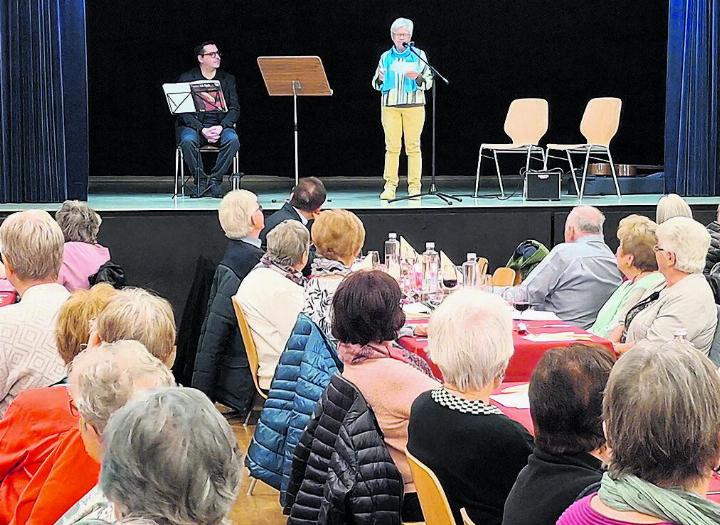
(670, 206)
(78, 222)
(33, 243)
(688, 240)
(235, 213)
(586, 219)
(400, 23)
(102, 379)
(470, 338)
(288, 242)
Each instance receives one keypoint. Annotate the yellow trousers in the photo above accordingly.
(398, 122)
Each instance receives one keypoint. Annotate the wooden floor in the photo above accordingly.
(263, 507)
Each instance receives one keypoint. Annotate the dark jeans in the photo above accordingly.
(190, 140)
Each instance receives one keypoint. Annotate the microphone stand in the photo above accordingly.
(433, 191)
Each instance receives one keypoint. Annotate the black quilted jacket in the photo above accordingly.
(713, 255)
(341, 470)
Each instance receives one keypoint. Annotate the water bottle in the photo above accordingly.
(431, 269)
(470, 271)
(392, 256)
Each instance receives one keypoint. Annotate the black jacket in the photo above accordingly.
(713, 255)
(193, 314)
(548, 485)
(221, 368)
(198, 121)
(342, 471)
(287, 212)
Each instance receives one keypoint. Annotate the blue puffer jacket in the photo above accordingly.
(302, 374)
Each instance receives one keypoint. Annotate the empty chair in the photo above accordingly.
(526, 123)
(599, 125)
(503, 276)
(433, 501)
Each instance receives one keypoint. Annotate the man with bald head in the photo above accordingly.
(578, 276)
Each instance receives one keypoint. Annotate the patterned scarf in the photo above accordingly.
(353, 354)
(392, 76)
(323, 267)
(630, 493)
(286, 271)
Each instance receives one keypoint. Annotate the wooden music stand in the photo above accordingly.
(296, 76)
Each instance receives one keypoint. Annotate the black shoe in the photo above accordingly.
(216, 191)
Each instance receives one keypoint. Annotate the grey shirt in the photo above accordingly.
(574, 281)
(688, 304)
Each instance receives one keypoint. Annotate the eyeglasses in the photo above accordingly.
(657, 248)
(213, 54)
(406, 35)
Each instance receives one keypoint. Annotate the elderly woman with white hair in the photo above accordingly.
(272, 295)
(402, 78)
(686, 306)
(83, 255)
(227, 379)
(671, 205)
(475, 451)
(193, 474)
(661, 413)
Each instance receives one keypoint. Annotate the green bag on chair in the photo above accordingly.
(527, 256)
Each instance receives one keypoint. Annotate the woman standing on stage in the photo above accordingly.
(402, 78)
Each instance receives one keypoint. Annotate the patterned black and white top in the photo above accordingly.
(449, 400)
(320, 289)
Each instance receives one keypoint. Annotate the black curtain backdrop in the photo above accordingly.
(493, 51)
(43, 101)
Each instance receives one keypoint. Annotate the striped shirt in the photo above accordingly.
(398, 96)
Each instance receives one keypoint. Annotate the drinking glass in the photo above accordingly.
(485, 283)
(374, 257)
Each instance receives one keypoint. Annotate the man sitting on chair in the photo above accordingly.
(213, 127)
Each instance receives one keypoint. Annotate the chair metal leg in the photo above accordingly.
(527, 167)
(546, 154)
(572, 172)
(251, 488)
(182, 173)
(497, 168)
(612, 170)
(177, 170)
(477, 173)
(585, 167)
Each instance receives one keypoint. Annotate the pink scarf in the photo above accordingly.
(353, 354)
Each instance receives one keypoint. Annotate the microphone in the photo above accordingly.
(408, 44)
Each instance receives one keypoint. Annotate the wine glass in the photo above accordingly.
(485, 283)
(449, 275)
(520, 300)
(374, 257)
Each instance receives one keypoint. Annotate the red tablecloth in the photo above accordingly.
(522, 416)
(527, 352)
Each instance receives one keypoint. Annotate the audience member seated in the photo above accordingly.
(272, 295)
(338, 236)
(661, 413)
(305, 202)
(687, 303)
(82, 256)
(670, 206)
(33, 422)
(221, 366)
(102, 380)
(578, 276)
(713, 255)
(32, 249)
(174, 423)
(636, 260)
(366, 318)
(131, 314)
(566, 393)
(475, 451)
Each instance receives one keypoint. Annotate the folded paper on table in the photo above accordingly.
(535, 315)
(448, 270)
(521, 388)
(363, 264)
(416, 311)
(407, 252)
(558, 336)
(514, 400)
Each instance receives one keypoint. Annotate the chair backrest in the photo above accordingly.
(527, 120)
(482, 265)
(715, 346)
(465, 517)
(433, 501)
(503, 276)
(601, 120)
(249, 344)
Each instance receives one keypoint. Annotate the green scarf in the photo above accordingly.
(630, 493)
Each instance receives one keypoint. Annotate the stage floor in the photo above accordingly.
(352, 199)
